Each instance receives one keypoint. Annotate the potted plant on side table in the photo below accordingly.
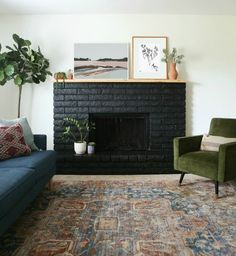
(78, 130)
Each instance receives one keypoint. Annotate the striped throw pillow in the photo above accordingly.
(212, 143)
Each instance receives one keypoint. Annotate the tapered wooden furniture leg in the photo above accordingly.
(50, 184)
(217, 189)
(181, 178)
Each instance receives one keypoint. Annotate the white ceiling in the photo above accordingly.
(195, 7)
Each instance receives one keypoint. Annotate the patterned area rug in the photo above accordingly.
(109, 216)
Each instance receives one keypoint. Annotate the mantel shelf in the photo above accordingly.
(121, 81)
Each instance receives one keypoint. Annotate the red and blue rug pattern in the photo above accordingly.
(152, 217)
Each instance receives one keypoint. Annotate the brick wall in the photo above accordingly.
(165, 103)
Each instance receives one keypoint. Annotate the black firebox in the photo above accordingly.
(117, 132)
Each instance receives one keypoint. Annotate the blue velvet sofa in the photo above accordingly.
(22, 179)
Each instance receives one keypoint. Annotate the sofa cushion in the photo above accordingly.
(14, 184)
(28, 135)
(41, 161)
(202, 163)
(12, 142)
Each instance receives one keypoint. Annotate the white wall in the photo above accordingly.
(208, 42)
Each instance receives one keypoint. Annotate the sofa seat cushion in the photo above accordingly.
(14, 184)
(202, 163)
(41, 161)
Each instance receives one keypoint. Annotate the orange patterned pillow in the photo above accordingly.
(12, 142)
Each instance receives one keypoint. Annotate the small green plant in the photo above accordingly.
(77, 129)
(92, 144)
(172, 57)
(60, 76)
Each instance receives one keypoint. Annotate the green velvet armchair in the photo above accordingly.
(218, 166)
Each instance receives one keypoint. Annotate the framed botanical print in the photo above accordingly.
(147, 53)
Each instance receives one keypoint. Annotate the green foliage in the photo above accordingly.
(6, 68)
(92, 144)
(30, 66)
(77, 129)
(60, 76)
(172, 57)
(23, 65)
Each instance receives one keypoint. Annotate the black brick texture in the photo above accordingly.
(165, 103)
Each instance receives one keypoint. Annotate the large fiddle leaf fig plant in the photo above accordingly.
(23, 64)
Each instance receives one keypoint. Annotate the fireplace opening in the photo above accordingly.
(120, 131)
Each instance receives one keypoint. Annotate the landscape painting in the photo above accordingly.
(101, 61)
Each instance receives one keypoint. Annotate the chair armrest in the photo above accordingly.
(227, 161)
(40, 141)
(183, 145)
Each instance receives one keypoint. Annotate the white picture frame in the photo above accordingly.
(147, 52)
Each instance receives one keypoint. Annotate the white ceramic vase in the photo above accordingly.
(80, 147)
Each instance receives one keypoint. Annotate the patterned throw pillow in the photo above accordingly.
(12, 142)
(28, 135)
(212, 143)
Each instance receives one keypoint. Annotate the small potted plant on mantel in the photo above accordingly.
(172, 58)
(78, 130)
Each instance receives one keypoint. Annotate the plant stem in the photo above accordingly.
(71, 133)
(19, 100)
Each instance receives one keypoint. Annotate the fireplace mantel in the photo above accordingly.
(155, 81)
(162, 101)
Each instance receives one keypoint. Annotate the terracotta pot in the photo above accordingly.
(173, 74)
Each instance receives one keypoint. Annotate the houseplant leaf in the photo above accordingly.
(9, 70)
(18, 80)
(2, 76)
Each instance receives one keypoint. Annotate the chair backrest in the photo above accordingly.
(225, 127)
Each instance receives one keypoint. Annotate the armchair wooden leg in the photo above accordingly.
(181, 178)
(217, 189)
(50, 184)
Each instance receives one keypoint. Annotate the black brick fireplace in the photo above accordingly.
(135, 125)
